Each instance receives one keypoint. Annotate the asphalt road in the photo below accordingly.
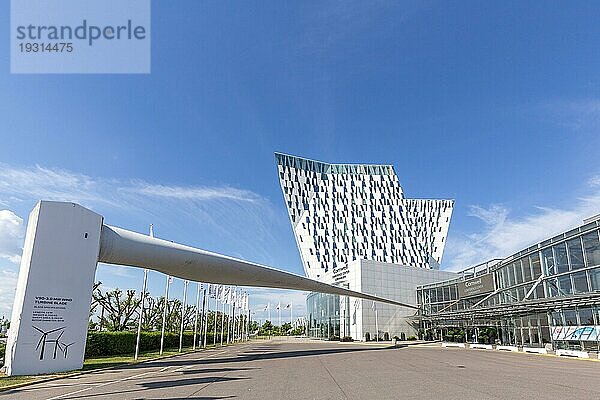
(318, 370)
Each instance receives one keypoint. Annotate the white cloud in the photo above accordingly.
(241, 221)
(11, 236)
(503, 235)
(579, 115)
(194, 193)
(21, 184)
(8, 284)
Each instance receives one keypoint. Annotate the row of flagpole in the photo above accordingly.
(278, 308)
(236, 300)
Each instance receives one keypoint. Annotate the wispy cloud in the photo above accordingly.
(577, 115)
(503, 235)
(194, 193)
(8, 284)
(225, 219)
(11, 236)
(18, 184)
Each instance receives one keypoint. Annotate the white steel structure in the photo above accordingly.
(346, 212)
(64, 243)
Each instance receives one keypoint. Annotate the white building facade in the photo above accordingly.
(361, 318)
(343, 214)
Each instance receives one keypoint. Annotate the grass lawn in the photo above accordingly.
(7, 382)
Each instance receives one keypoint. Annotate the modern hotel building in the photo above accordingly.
(355, 228)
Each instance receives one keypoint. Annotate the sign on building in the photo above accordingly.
(476, 286)
(585, 333)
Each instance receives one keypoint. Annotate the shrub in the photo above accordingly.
(367, 336)
(347, 339)
(334, 338)
(386, 336)
(114, 343)
(411, 337)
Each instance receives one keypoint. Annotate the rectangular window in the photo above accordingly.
(570, 317)
(580, 283)
(539, 291)
(595, 278)
(564, 284)
(586, 316)
(591, 246)
(556, 317)
(575, 254)
(536, 265)
(511, 275)
(518, 272)
(560, 258)
(526, 269)
(548, 260)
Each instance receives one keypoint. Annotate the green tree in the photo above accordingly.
(285, 328)
(253, 326)
(267, 328)
(119, 308)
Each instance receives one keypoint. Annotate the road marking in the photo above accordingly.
(100, 385)
(133, 377)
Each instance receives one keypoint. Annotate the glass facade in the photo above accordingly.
(323, 315)
(555, 283)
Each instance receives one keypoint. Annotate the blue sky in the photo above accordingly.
(494, 105)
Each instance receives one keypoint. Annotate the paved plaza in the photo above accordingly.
(301, 369)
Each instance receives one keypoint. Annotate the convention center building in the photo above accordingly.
(355, 228)
(546, 294)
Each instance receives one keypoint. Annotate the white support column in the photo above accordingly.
(52, 301)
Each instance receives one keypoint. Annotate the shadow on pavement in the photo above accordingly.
(213, 370)
(198, 398)
(186, 382)
(254, 355)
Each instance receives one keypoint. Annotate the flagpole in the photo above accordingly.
(376, 322)
(196, 314)
(229, 312)
(183, 306)
(248, 324)
(222, 321)
(164, 319)
(142, 298)
(205, 311)
(232, 324)
(215, 321)
(203, 286)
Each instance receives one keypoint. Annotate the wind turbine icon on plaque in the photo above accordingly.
(56, 341)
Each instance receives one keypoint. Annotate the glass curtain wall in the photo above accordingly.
(566, 265)
(323, 311)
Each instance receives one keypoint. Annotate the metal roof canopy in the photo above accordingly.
(521, 308)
